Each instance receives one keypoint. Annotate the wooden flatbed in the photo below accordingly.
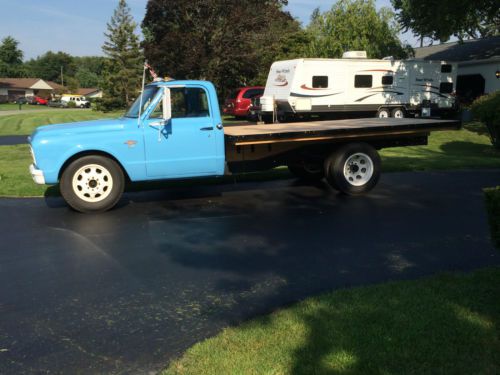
(255, 134)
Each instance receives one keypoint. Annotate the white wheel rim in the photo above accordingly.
(383, 114)
(399, 114)
(358, 169)
(92, 183)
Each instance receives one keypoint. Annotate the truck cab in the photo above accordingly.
(174, 130)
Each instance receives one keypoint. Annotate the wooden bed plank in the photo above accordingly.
(333, 130)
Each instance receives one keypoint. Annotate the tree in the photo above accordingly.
(49, 66)
(440, 20)
(227, 42)
(122, 72)
(355, 25)
(89, 70)
(11, 58)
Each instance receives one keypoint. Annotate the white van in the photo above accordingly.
(355, 85)
(79, 100)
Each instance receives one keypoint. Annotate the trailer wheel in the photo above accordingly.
(307, 171)
(353, 169)
(383, 113)
(92, 184)
(398, 113)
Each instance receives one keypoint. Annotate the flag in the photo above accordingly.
(151, 71)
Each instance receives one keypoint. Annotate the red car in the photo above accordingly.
(238, 103)
(39, 101)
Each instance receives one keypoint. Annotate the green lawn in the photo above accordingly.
(15, 107)
(467, 148)
(25, 123)
(447, 324)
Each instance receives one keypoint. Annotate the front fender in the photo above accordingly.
(130, 158)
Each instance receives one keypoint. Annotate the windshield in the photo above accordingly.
(149, 94)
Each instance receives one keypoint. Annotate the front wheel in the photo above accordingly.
(92, 184)
(353, 169)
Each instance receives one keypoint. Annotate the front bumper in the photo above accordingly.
(37, 175)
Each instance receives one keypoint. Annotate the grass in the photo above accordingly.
(447, 324)
(467, 148)
(25, 123)
(15, 107)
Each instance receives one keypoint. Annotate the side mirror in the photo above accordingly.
(167, 105)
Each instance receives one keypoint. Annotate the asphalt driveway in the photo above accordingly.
(126, 291)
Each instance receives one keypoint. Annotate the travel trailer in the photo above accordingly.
(355, 86)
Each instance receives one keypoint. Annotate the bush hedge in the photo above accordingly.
(487, 110)
(109, 104)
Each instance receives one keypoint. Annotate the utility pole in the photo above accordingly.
(62, 76)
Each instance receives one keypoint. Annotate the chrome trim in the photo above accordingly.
(37, 175)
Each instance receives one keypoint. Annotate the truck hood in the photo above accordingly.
(76, 128)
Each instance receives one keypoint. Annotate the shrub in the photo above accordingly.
(71, 104)
(492, 196)
(109, 104)
(487, 110)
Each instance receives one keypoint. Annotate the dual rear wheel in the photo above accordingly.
(352, 169)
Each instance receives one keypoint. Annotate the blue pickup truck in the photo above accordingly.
(175, 131)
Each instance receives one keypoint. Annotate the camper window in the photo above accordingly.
(387, 80)
(446, 87)
(320, 82)
(446, 68)
(363, 81)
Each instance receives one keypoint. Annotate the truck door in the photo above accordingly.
(185, 145)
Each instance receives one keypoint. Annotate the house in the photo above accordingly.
(13, 88)
(90, 93)
(478, 64)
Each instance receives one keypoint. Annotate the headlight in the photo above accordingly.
(33, 155)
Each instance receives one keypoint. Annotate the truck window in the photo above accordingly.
(158, 111)
(387, 80)
(320, 82)
(446, 68)
(189, 102)
(149, 94)
(252, 93)
(446, 87)
(363, 81)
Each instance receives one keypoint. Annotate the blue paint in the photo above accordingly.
(185, 147)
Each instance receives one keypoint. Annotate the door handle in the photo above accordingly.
(219, 126)
(207, 128)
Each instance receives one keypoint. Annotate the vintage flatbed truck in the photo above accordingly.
(175, 131)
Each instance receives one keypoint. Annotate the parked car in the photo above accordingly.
(239, 102)
(57, 104)
(39, 101)
(80, 101)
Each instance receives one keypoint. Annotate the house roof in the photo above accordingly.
(55, 86)
(18, 83)
(28, 83)
(87, 91)
(477, 49)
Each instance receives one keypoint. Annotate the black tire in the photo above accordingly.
(358, 158)
(398, 113)
(109, 171)
(307, 171)
(382, 111)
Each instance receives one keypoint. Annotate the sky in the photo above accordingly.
(77, 27)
